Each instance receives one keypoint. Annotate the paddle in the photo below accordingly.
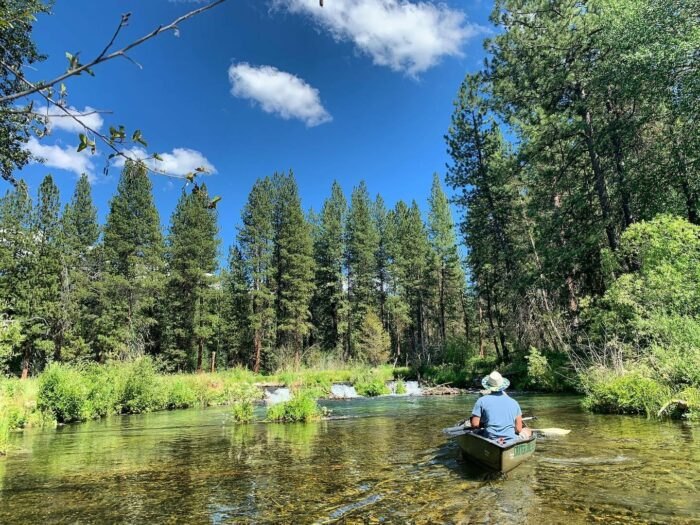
(545, 432)
(551, 431)
(464, 426)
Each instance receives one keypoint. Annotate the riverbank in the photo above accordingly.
(64, 394)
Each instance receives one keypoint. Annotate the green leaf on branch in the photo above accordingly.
(83, 142)
(138, 137)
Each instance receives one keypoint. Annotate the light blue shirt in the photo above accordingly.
(497, 412)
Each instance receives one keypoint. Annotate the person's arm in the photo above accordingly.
(518, 423)
(475, 420)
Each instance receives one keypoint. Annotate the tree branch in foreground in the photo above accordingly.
(77, 68)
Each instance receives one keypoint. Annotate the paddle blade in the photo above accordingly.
(551, 431)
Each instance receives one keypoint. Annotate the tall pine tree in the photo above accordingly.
(237, 336)
(255, 238)
(16, 261)
(331, 299)
(294, 266)
(362, 244)
(192, 248)
(42, 328)
(449, 278)
(80, 233)
(132, 276)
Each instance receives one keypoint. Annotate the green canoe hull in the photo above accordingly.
(494, 456)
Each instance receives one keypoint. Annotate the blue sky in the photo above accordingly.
(358, 89)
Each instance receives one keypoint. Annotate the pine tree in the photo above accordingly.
(132, 276)
(330, 298)
(362, 243)
(236, 311)
(80, 233)
(42, 327)
(482, 172)
(417, 257)
(255, 238)
(16, 261)
(382, 256)
(449, 278)
(397, 309)
(192, 248)
(294, 266)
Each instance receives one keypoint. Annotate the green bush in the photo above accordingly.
(372, 382)
(105, 385)
(302, 407)
(242, 411)
(243, 397)
(143, 390)
(371, 385)
(62, 393)
(628, 392)
(400, 388)
(373, 341)
(180, 394)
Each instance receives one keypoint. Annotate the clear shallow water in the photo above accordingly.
(387, 462)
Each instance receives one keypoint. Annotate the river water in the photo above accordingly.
(384, 461)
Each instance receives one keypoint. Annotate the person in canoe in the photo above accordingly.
(496, 413)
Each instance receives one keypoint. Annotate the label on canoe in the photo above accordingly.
(523, 448)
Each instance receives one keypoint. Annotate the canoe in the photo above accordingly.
(501, 458)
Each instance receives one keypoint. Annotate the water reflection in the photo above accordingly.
(388, 461)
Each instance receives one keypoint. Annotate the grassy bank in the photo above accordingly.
(64, 394)
(638, 390)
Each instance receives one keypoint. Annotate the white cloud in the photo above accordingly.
(180, 162)
(57, 119)
(55, 156)
(278, 92)
(402, 35)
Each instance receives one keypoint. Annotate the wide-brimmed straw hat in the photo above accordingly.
(494, 382)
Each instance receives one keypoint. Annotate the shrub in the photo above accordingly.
(180, 394)
(371, 384)
(626, 392)
(104, 385)
(62, 393)
(400, 388)
(538, 371)
(143, 389)
(242, 411)
(243, 397)
(302, 407)
(373, 341)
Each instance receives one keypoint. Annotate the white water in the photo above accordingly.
(343, 392)
(279, 395)
(412, 388)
